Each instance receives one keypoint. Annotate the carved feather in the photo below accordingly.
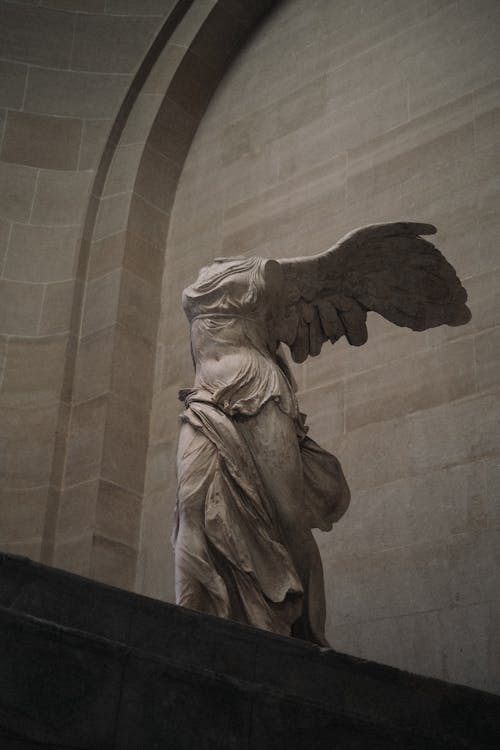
(387, 268)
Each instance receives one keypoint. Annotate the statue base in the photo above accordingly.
(84, 665)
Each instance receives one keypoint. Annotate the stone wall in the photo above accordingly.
(336, 115)
(65, 70)
(78, 488)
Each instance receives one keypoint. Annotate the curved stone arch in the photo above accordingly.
(111, 363)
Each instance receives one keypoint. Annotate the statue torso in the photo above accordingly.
(229, 308)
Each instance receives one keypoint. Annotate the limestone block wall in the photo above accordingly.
(65, 69)
(339, 114)
(93, 520)
(91, 475)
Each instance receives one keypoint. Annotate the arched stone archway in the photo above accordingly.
(104, 464)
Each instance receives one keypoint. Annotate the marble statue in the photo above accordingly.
(251, 483)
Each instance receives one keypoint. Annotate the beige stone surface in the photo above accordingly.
(325, 412)
(101, 302)
(33, 372)
(3, 352)
(456, 433)
(492, 469)
(172, 132)
(148, 222)
(474, 561)
(74, 554)
(93, 367)
(26, 446)
(392, 159)
(432, 507)
(160, 480)
(411, 384)
(55, 256)
(57, 305)
(254, 226)
(488, 358)
(123, 170)
(76, 510)
(60, 198)
(4, 239)
(20, 307)
(139, 7)
(83, 6)
(157, 180)
(113, 562)
(427, 89)
(13, 76)
(35, 35)
(387, 344)
(118, 514)
(125, 445)
(104, 44)
(144, 259)
(138, 124)
(17, 186)
(165, 412)
(112, 215)
(106, 255)
(343, 128)
(74, 94)
(85, 440)
(67, 66)
(132, 367)
(138, 306)
(191, 89)
(393, 582)
(23, 514)
(41, 140)
(158, 554)
(94, 135)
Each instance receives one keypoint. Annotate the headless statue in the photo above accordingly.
(251, 483)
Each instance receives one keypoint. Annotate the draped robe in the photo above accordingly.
(251, 483)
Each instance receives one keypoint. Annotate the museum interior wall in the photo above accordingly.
(77, 390)
(333, 115)
(65, 76)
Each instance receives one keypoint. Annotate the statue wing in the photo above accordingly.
(387, 268)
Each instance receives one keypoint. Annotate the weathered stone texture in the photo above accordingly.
(41, 140)
(35, 35)
(101, 302)
(20, 307)
(17, 186)
(74, 94)
(111, 44)
(66, 68)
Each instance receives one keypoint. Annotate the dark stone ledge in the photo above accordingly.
(84, 665)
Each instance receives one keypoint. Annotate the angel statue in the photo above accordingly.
(251, 483)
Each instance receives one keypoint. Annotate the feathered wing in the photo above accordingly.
(387, 268)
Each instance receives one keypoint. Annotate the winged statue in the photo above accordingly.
(251, 483)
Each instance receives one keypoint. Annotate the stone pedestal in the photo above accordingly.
(84, 665)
